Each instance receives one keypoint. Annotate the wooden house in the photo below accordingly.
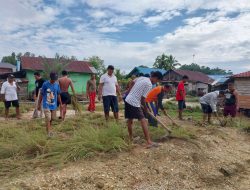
(198, 84)
(242, 83)
(7, 68)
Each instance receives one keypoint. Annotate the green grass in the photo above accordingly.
(24, 108)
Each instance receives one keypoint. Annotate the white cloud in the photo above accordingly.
(215, 38)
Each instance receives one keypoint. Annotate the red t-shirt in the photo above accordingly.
(180, 88)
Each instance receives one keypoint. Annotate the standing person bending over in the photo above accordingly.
(181, 95)
(155, 98)
(209, 104)
(38, 83)
(91, 92)
(50, 95)
(64, 83)
(135, 98)
(231, 101)
(108, 88)
(9, 89)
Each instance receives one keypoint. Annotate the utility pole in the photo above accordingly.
(193, 57)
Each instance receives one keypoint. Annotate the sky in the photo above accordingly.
(129, 33)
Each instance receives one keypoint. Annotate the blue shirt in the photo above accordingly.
(50, 93)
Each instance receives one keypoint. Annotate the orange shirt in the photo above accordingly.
(152, 95)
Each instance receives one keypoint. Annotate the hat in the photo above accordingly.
(11, 76)
(53, 76)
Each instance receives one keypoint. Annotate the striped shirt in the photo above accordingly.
(140, 89)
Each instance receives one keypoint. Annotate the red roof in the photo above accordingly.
(242, 75)
(195, 76)
(37, 64)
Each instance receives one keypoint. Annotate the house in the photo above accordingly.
(79, 71)
(7, 68)
(242, 83)
(199, 83)
(137, 71)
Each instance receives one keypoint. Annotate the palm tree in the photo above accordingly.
(166, 62)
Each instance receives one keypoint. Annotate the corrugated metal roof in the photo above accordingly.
(219, 79)
(37, 63)
(7, 65)
(242, 75)
(195, 76)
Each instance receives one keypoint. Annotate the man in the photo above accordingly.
(9, 90)
(108, 88)
(135, 98)
(209, 104)
(231, 101)
(38, 84)
(50, 94)
(181, 95)
(91, 93)
(155, 97)
(65, 83)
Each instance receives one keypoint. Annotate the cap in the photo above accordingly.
(53, 76)
(11, 76)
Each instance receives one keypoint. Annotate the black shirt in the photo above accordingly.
(160, 98)
(39, 84)
(230, 99)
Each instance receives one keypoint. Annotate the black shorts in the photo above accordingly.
(14, 103)
(181, 104)
(206, 108)
(132, 112)
(65, 97)
(110, 101)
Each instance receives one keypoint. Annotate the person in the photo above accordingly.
(65, 82)
(156, 96)
(231, 101)
(135, 104)
(91, 92)
(38, 85)
(108, 88)
(181, 95)
(9, 90)
(209, 104)
(50, 95)
(154, 102)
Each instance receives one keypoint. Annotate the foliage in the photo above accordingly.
(120, 75)
(56, 65)
(10, 59)
(98, 63)
(206, 70)
(165, 62)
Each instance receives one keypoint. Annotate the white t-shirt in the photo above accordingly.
(210, 99)
(109, 85)
(140, 89)
(10, 91)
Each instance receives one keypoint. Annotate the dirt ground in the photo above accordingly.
(217, 159)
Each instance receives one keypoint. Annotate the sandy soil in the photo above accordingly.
(217, 159)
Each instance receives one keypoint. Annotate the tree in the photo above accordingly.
(119, 74)
(206, 70)
(165, 62)
(57, 65)
(98, 64)
(10, 59)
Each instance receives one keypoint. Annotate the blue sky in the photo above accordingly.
(129, 33)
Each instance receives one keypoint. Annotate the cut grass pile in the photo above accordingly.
(24, 144)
